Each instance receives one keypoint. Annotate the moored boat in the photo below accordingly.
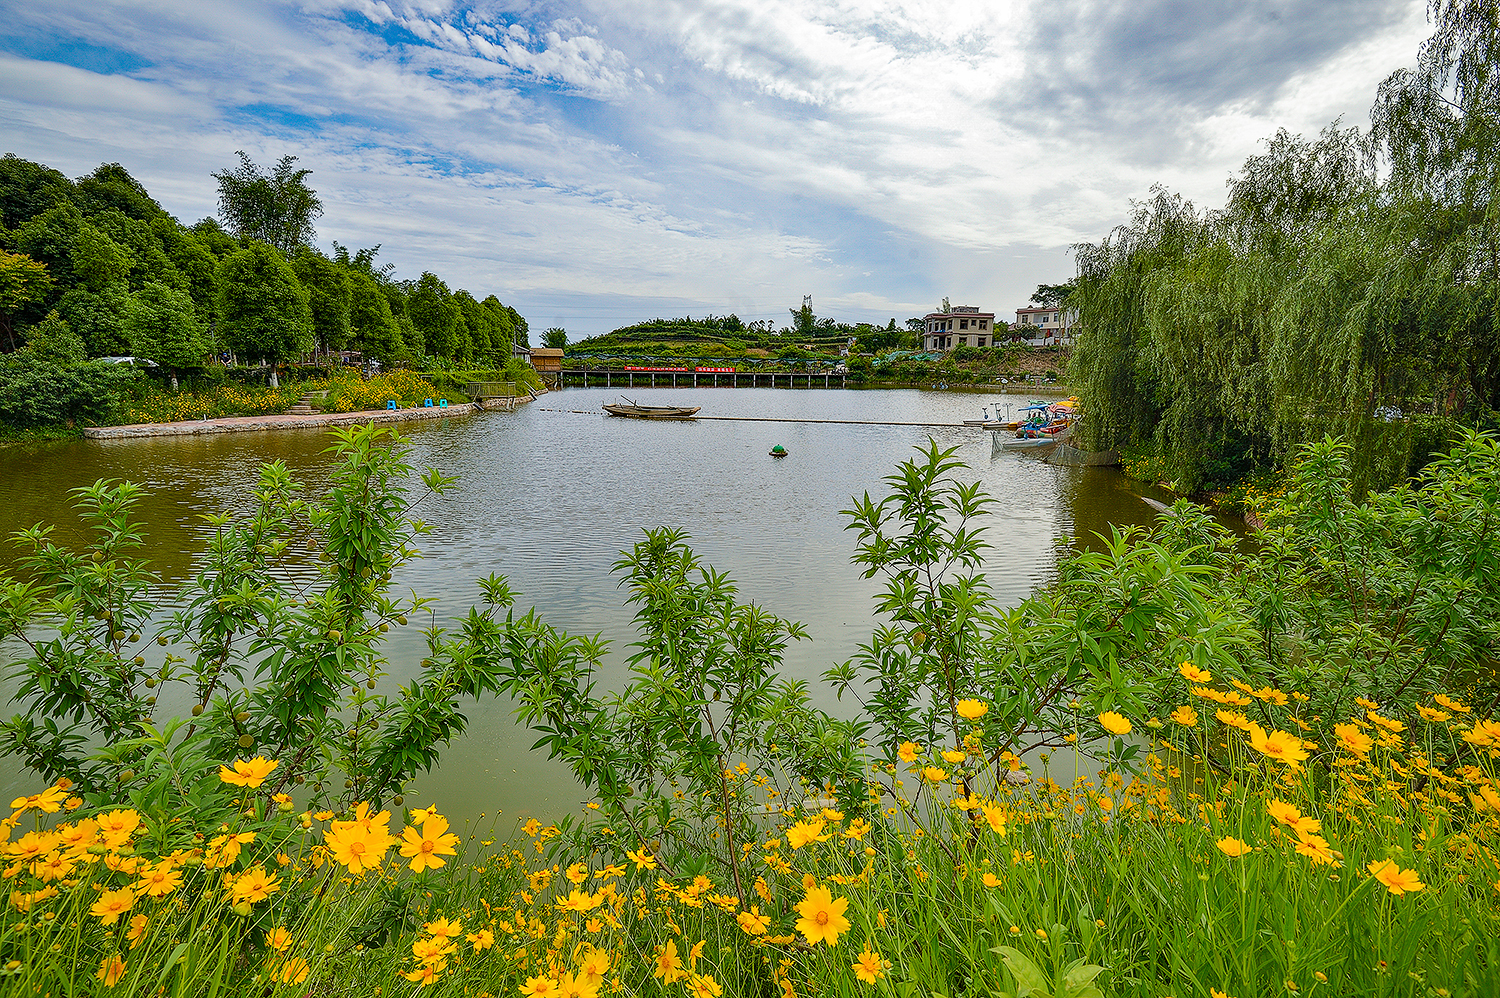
(633, 411)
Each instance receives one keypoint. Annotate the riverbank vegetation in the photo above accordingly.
(1350, 284)
(1183, 767)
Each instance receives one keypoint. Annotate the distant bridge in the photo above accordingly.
(684, 378)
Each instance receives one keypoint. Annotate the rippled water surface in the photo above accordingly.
(549, 497)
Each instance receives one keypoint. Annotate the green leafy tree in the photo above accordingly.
(555, 338)
(704, 692)
(98, 261)
(276, 208)
(271, 665)
(372, 327)
(263, 309)
(329, 296)
(52, 342)
(22, 281)
(98, 318)
(163, 327)
(433, 314)
(29, 189)
(193, 258)
(111, 188)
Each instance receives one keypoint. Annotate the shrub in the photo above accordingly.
(36, 393)
(351, 393)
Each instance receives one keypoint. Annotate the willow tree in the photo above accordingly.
(1323, 297)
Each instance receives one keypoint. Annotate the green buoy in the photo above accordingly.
(778, 451)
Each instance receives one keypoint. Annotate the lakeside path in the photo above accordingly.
(243, 424)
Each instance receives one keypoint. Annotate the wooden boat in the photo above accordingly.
(634, 411)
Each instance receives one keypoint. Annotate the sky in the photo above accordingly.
(596, 163)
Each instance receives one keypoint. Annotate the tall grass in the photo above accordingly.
(1365, 867)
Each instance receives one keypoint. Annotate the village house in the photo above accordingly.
(965, 325)
(1056, 325)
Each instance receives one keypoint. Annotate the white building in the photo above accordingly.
(1056, 325)
(965, 325)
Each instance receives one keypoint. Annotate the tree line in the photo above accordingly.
(1350, 285)
(95, 267)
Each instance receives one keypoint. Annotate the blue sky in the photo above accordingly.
(596, 163)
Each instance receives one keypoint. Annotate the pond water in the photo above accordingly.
(549, 497)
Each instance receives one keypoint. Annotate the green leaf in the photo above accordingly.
(1029, 977)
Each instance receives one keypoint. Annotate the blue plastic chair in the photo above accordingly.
(442, 403)
(427, 403)
(391, 404)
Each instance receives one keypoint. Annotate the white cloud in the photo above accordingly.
(876, 153)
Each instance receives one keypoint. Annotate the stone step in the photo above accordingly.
(301, 409)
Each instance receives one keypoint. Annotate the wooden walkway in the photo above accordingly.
(609, 377)
(780, 419)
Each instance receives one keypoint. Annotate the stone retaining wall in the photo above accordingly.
(244, 424)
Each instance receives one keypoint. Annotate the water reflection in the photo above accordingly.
(549, 497)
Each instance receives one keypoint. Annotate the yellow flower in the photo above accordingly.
(1352, 739)
(1434, 716)
(1234, 719)
(111, 970)
(805, 832)
(427, 848)
(1115, 724)
(934, 775)
(1232, 847)
(255, 884)
(971, 710)
(1315, 847)
(857, 830)
(223, 850)
(869, 968)
(481, 940)
(994, 814)
(1279, 745)
(907, 752)
(668, 965)
(592, 967)
(49, 801)
(1483, 733)
(118, 826)
(1458, 707)
(643, 860)
(137, 929)
(531, 827)
(954, 757)
(360, 844)
(1193, 674)
(444, 928)
(278, 939)
(112, 904)
(294, 971)
(753, 922)
(1385, 722)
(1396, 880)
(990, 880)
(577, 873)
(247, 773)
(1185, 716)
(579, 901)
(159, 880)
(822, 916)
(432, 952)
(427, 973)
